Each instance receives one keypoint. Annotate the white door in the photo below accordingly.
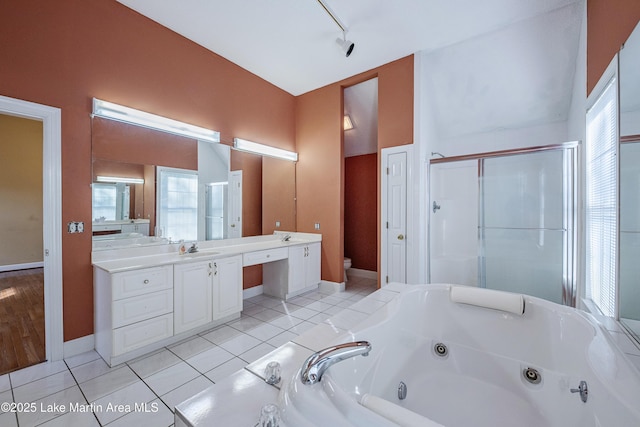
(394, 215)
(235, 204)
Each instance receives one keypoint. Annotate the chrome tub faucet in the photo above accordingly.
(314, 367)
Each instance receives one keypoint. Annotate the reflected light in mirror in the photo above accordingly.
(265, 150)
(119, 179)
(120, 113)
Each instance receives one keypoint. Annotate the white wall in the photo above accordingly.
(555, 122)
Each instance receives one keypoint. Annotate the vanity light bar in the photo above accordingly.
(116, 179)
(120, 113)
(254, 147)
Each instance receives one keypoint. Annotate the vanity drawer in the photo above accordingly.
(143, 333)
(144, 281)
(267, 255)
(142, 307)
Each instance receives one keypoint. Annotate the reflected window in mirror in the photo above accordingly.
(110, 201)
(178, 203)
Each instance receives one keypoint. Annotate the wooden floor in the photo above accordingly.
(21, 319)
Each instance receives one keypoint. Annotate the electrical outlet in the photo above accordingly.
(277, 224)
(75, 227)
(317, 226)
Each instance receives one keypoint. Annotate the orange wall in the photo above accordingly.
(63, 53)
(609, 24)
(360, 225)
(113, 141)
(320, 169)
(279, 195)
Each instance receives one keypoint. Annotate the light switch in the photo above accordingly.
(317, 226)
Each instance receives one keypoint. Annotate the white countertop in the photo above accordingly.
(125, 259)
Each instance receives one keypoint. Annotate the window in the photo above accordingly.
(178, 203)
(601, 198)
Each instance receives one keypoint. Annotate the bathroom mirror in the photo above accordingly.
(127, 162)
(268, 185)
(629, 285)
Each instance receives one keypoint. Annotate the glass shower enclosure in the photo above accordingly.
(506, 220)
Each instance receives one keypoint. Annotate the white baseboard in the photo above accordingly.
(78, 346)
(330, 287)
(252, 292)
(367, 274)
(23, 266)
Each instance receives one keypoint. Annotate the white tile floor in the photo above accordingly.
(144, 391)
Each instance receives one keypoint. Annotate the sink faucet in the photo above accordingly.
(314, 367)
(286, 237)
(193, 249)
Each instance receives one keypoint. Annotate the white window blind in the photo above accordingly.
(178, 203)
(601, 208)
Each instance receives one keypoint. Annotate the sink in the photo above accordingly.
(200, 253)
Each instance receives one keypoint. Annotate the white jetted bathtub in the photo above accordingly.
(434, 361)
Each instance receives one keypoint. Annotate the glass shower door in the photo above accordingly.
(525, 223)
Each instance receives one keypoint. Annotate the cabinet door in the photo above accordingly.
(192, 295)
(312, 265)
(227, 286)
(297, 259)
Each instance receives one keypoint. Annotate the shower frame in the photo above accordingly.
(570, 210)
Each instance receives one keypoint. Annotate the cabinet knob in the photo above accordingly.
(146, 281)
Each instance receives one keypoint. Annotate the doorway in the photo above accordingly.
(51, 245)
(360, 139)
(22, 323)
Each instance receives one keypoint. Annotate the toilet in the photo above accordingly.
(347, 265)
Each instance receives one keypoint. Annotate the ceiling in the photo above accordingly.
(291, 43)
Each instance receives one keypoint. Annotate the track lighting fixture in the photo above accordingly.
(346, 45)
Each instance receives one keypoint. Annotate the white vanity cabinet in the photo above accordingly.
(205, 291)
(192, 295)
(227, 286)
(132, 309)
(304, 267)
(154, 299)
(297, 273)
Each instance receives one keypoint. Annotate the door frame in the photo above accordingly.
(52, 214)
(411, 234)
